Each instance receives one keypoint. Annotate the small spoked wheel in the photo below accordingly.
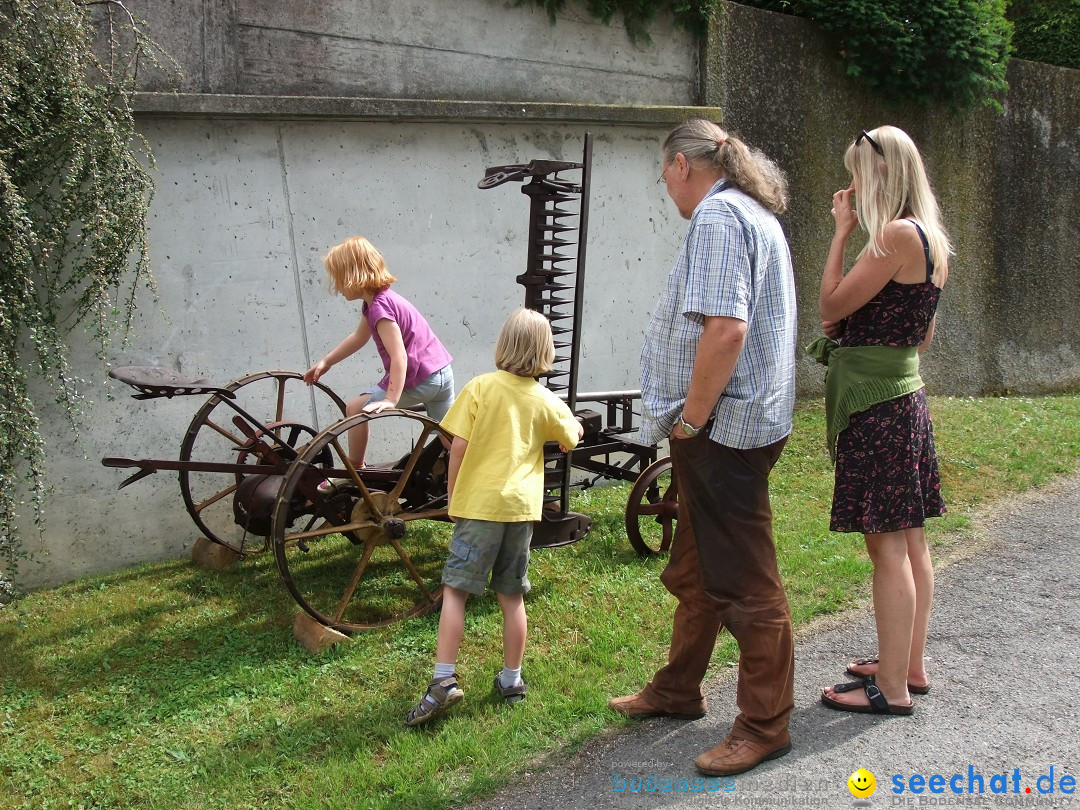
(652, 509)
(284, 406)
(368, 550)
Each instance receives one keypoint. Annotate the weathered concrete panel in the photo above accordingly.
(243, 214)
(1008, 187)
(1036, 231)
(250, 195)
(471, 49)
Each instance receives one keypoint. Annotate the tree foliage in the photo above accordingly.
(952, 52)
(1047, 31)
(74, 194)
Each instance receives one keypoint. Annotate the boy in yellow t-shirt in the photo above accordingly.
(500, 423)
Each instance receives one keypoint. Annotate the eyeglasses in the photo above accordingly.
(871, 141)
(663, 177)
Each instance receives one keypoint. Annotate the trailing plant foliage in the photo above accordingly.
(693, 15)
(1047, 31)
(74, 193)
(948, 51)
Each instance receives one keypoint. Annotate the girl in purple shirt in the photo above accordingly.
(416, 363)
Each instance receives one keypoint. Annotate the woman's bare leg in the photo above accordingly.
(894, 611)
(922, 570)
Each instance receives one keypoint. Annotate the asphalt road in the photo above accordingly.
(1003, 711)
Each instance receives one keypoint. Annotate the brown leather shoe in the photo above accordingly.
(638, 706)
(736, 755)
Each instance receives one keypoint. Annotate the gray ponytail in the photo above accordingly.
(703, 143)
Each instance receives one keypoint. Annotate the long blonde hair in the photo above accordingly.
(893, 185)
(704, 143)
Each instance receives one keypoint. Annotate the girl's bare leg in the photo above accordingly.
(358, 436)
(922, 571)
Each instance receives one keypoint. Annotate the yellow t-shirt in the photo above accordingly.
(505, 419)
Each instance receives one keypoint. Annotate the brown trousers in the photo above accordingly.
(723, 572)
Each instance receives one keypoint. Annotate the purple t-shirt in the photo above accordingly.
(424, 351)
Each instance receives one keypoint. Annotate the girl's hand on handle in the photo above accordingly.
(843, 211)
(312, 375)
(380, 406)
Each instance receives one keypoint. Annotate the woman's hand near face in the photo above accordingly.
(843, 212)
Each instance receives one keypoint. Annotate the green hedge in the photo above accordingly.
(1047, 31)
(948, 51)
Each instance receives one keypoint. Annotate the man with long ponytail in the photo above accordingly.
(718, 381)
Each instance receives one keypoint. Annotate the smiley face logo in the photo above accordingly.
(862, 784)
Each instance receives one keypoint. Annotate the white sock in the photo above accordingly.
(510, 677)
(443, 671)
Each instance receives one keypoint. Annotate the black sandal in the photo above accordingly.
(511, 694)
(914, 688)
(878, 703)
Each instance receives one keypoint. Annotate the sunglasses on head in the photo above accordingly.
(871, 141)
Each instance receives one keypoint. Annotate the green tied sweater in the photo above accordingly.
(859, 377)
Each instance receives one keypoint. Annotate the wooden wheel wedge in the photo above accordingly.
(369, 551)
(652, 509)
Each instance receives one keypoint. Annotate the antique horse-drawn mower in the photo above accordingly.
(250, 469)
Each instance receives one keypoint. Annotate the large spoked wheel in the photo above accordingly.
(652, 509)
(370, 551)
(284, 407)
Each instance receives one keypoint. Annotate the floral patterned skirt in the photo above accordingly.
(887, 476)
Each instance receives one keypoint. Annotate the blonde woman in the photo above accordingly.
(881, 315)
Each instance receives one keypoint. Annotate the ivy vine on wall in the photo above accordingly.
(74, 195)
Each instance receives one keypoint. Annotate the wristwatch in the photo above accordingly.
(688, 430)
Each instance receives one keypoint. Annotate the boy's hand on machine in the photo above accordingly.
(379, 407)
(312, 375)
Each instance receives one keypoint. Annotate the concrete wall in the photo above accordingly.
(479, 50)
(254, 184)
(404, 110)
(1009, 187)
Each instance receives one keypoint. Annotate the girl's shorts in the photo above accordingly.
(482, 547)
(435, 392)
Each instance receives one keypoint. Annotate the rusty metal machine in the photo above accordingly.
(554, 282)
(356, 547)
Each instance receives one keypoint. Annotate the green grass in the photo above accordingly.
(167, 686)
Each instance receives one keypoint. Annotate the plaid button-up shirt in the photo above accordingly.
(734, 262)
